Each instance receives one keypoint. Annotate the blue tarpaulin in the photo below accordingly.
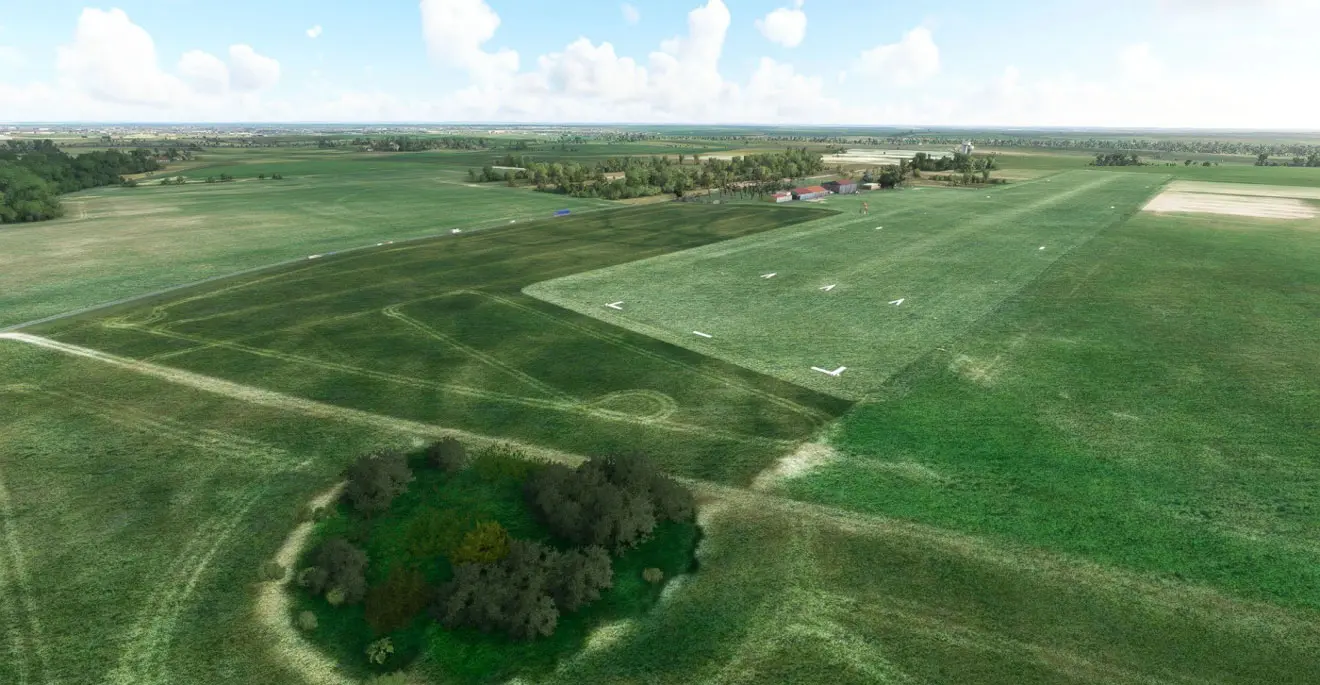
(561, 212)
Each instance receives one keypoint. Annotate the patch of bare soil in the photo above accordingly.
(1260, 207)
(809, 456)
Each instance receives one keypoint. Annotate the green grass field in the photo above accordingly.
(119, 242)
(1149, 403)
(951, 256)
(1107, 474)
(438, 332)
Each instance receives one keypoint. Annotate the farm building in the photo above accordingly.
(781, 196)
(842, 187)
(809, 192)
(870, 186)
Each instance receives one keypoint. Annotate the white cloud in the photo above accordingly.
(913, 59)
(785, 26)
(631, 15)
(250, 71)
(314, 32)
(113, 59)
(1139, 64)
(205, 72)
(455, 30)
(592, 71)
(11, 57)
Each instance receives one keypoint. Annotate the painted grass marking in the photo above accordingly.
(816, 416)
(769, 275)
(615, 305)
(827, 372)
(393, 312)
(704, 335)
(829, 287)
(897, 302)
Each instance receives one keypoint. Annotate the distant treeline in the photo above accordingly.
(409, 143)
(34, 173)
(1311, 160)
(645, 176)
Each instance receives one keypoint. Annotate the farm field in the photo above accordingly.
(120, 242)
(950, 256)
(437, 331)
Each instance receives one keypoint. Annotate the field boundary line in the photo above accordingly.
(555, 405)
(393, 312)
(250, 270)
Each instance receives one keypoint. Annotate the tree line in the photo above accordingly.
(34, 173)
(408, 143)
(619, 178)
(1310, 160)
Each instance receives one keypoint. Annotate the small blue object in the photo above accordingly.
(561, 212)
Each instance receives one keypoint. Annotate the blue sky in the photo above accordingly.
(1213, 63)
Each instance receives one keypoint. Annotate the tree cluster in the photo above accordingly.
(339, 571)
(34, 173)
(614, 502)
(524, 593)
(1117, 159)
(1310, 160)
(654, 175)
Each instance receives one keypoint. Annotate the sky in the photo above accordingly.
(1246, 64)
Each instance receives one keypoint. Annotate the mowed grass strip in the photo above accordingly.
(1150, 403)
(439, 332)
(950, 256)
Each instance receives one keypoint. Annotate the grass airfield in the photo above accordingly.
(1105, 477)
(911, 275)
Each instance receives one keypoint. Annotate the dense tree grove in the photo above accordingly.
(1310, 160)
(485, 579)
(613, 502)
(524, 593)
(620, 178)
(34, 173)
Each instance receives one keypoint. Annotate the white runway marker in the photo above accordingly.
(769, 275)
(615, 305)
(898, 301)
(1042, 247)
(834, 373)
(704, 335)
(878, 227)
(457, 230)
(314, 256)
(829, 287)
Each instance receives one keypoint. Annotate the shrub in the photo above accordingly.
(336, 596)
(487, 543)
(374, 480)
(448, 455)
(306, 621)
(272, 571)
(502, 461)
(339, 566)
(435, 532)
(396, 602)
(380, 650)
(653, 575)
